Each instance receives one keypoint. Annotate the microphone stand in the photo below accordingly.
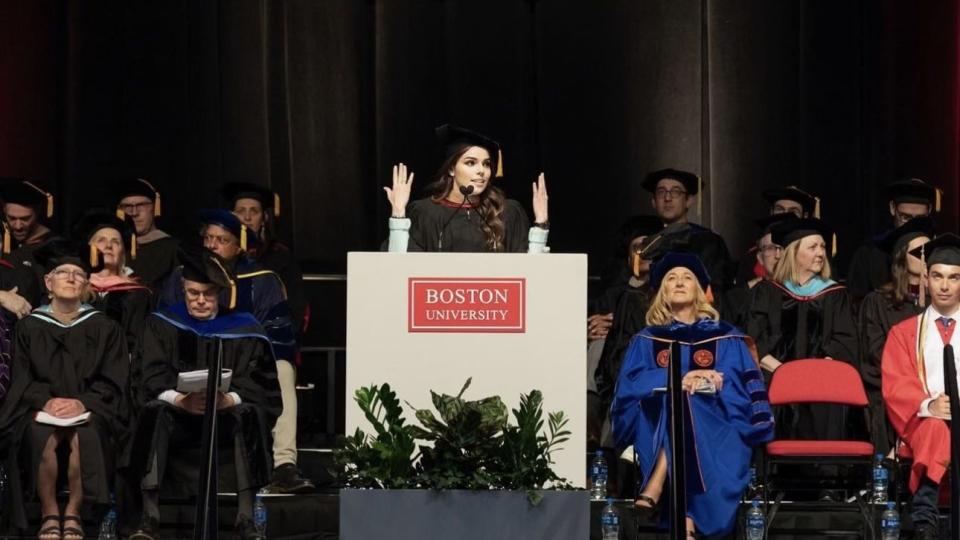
(465, 191)
(206, 522)
(678, 454)
(950, 384)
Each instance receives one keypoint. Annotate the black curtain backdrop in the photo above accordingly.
(318, 99)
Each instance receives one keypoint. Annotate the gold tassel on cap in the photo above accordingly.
(243, 237)
(816, 207)
(833, 249)
(6, 240)
(922, 300)
(133, 245)
(636, 264)
(49, 205)
(276, 205)
(156, 204)
(938, 193)
(120, 213)
(94, 256)
(499, 163)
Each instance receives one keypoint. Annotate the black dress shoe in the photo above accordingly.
(288, 479)
(149, 529)
(926, 531)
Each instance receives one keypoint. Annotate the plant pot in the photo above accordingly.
(465, 515)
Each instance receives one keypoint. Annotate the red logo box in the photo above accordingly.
(491, 305)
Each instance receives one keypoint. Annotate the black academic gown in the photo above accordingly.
(155, 260)
(29, 274)
(709, 247)
(629, 317)
(129, 305)
(878, 314)
(464, 232)
(84, 360)
(791, 327)
(175, 342)
(869, 270)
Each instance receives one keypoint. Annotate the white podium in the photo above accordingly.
(512, 322)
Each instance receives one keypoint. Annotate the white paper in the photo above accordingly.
(45, 418)
(705, 387)
(196, 381)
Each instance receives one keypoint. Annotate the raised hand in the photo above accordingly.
(399, 193)
(540, 214)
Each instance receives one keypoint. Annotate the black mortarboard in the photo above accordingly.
(674, 259)
(785, 232)
(138, 186)
(230, 222)
(636, 226)
(810, 203)
(205, 266)
(87, 225)
(944, 249)
(26, 193)
(894, 240)
(690, 181)
(914, 190)
(766, 223)
(232, 191)
(451, 138)
(59, 251)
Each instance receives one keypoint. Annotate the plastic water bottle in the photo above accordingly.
(260, 516)
(598, 477)
(108, 527)
(610, 522)
(755, 521)
(890, 522)
(753, 488)
(881, 479)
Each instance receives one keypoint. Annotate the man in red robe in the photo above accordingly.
(914, 386)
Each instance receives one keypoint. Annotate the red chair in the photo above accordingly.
(817, 381)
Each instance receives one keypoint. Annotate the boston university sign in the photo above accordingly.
(467, 305)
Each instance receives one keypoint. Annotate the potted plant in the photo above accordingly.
(465, 472)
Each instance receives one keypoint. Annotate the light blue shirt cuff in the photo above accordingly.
(399, 235)
(537, 240)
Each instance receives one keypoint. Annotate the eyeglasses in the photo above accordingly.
(903, 218)
(674, 193)
(78, 275)
(771, 248)
(134, 208)
(219, 240)
(194, 294)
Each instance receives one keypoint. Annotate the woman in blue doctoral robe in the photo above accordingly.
(726, 424)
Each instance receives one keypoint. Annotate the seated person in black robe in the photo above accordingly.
(674, 194)
(182, 338)
(156, 250)
(870, 266)
(117, 291)
(900, 299)
(464, 211)
(68, 362)
(25, 207)
(765, 255)
(801, 313)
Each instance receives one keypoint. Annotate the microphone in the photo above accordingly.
(465, 191)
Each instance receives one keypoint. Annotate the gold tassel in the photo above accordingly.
(709, 294)
(636, 265)
(49, 205)
(276, 205)
(243, 237)
(499, 163)
(133, 246)
(938, 194)
(833, 250)
(121, 214)
(816, 207)
(233, 294)
(922, 300)
(94, 256)
(156, 204)
(6, 240)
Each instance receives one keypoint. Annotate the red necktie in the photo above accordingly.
(945, 326)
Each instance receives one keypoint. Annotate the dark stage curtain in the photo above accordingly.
(319, 98)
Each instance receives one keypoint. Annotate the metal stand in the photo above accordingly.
(207, 522)
(678, 454)
(950, 382)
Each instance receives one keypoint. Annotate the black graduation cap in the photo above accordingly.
(58, 251)
(894, 240)
(944, 249)
(137, 186)
(204, 266)
(232, 191)
(674, 259)
(785, 232)
(810, 203)
(636, 226)
(690, 181)
(766, 223)
(229, 221)
(93, 220)
(914, 190)
(450, 137)
(26, 193)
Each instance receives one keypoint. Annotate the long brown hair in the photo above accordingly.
(898, 290)
(489, 204)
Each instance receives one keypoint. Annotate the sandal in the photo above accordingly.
(72, 533)
(648, 513)
(52, 532)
